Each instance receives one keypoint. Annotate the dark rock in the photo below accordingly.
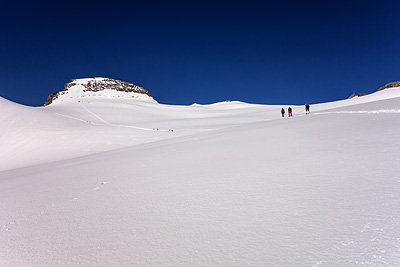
(51, 97)
(354, 95)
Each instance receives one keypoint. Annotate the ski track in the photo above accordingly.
(108, 123)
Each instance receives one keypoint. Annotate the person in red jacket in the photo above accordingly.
(283, 112)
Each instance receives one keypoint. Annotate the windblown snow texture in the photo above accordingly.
(107, 179)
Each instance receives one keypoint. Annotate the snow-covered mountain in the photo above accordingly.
(98, 87)
(111, 178)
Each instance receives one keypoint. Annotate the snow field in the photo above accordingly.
(233, 185)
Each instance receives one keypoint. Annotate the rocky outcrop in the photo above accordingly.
(99, 84)
(107, 83)
(355, 95)
(51, 97)
(390, 85)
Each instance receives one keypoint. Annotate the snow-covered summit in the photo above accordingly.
(98, 87)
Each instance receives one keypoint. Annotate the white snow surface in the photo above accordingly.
(112, 180)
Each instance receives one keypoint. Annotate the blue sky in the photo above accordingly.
(267, 52)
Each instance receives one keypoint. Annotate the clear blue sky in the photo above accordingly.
(268, 52)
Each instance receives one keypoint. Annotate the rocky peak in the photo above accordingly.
(97, 85)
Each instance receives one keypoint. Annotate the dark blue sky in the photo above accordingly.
(269, 52)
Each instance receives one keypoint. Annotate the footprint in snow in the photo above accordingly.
(98, 187)
(8, 225)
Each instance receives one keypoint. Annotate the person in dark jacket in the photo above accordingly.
(290, 112)
(307, 108)
(283, 112)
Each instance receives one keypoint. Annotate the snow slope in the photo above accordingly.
(118, 181)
